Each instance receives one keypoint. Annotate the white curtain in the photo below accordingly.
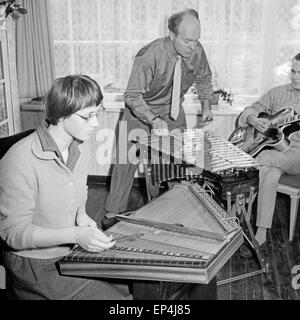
(249, 43)
(34, 48)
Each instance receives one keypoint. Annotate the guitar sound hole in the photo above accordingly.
(273, 133)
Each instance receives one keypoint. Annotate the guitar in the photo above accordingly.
(282, 125)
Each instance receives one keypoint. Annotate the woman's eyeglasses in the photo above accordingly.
(91, 115)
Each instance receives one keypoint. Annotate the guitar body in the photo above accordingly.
(252, 141)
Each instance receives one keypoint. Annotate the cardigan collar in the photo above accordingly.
(45, 147)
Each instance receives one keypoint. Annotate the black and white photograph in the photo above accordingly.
(149, 153)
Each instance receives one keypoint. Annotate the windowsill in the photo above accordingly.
(114, 102)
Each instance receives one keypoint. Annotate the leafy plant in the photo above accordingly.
(226, 96)
(12, 9)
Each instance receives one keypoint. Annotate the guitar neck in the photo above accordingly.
(288, 120)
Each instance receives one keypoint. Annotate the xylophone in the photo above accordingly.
(235, 170)
(175, 156)
(198, 154)
(222, 157)
(182, 236)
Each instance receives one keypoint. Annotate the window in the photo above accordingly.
(249, 43)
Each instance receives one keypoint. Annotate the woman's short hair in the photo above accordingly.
(69, 94)
(175, 19)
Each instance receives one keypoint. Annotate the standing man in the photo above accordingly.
(275, 163)
(162, 73)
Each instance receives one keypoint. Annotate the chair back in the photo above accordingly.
(5, 144)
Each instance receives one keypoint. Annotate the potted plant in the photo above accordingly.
(217, 93)
(10, 8)
(226, 96)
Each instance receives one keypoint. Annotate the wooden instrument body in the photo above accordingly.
(283, 124)
(185, 252)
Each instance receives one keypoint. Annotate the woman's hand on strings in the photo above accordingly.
(92, 239)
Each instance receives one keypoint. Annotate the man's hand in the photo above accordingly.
(207, 115)
(206, 110)
(83, 220)
(259, 124)
(160, 127)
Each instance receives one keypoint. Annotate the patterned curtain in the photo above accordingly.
(34, 43)
(249, 43)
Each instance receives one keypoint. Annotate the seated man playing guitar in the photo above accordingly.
(274, 162)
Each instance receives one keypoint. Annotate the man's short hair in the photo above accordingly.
(69, 94)
(297, 57)
(176, 18)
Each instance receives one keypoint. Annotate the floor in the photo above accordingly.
(280, 254)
